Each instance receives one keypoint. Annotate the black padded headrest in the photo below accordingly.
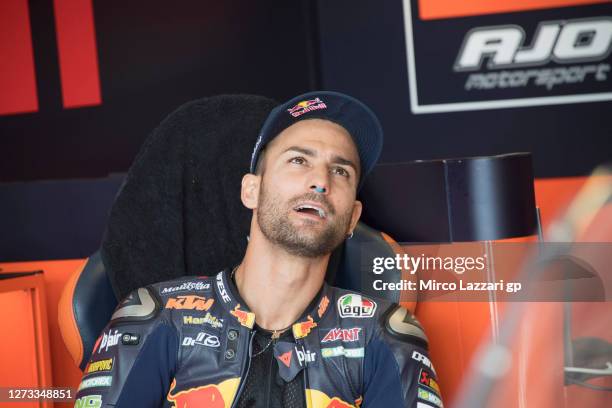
(178, 212)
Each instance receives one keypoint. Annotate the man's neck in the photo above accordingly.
(276, 285)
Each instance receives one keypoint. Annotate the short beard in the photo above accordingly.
(274, 223)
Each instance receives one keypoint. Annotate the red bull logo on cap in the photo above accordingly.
(210, 396)
(306, 106)
(302, 329)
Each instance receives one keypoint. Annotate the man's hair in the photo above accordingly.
(260, 167)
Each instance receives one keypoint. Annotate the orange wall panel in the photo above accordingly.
(436, 9)
(56, 273)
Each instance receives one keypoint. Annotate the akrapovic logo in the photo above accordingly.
(576, 46)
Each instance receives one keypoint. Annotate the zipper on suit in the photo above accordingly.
(244, 372)
(304, 374)
(270, 370)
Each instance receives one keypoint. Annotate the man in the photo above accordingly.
(269, 332)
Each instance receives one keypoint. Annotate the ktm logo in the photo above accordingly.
(189, 303)
(570, 41)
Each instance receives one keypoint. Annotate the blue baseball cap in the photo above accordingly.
(353, 115)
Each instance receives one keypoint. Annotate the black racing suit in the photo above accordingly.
(190, 343)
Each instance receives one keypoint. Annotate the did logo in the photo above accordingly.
(202, 339)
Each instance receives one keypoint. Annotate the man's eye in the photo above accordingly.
(340, 171)
(297, 160)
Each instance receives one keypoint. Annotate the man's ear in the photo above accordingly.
(355, 215)
(249, 191)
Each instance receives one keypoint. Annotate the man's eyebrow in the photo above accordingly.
(345, 162)
(303, 150)
(336, 159)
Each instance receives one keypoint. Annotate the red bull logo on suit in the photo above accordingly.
(210, 396)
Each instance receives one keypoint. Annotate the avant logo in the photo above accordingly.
(564, 42)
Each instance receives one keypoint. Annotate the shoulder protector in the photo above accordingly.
(402, 324)
(142, 304)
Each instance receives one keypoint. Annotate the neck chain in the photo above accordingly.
(275, 333)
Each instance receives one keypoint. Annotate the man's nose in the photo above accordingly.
(318, 189)
(320, 182)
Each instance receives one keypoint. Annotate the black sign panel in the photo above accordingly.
(537, 57)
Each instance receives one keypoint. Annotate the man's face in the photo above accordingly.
(311, 153)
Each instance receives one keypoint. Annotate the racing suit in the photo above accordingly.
(188, 343)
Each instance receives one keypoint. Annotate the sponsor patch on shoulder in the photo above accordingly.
(99, 365)
(429, 396)
(401, 324)
(89, 401)
(95, 382)
(423, 359)
(427, 380)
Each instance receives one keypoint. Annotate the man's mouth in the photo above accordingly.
(311, 209)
